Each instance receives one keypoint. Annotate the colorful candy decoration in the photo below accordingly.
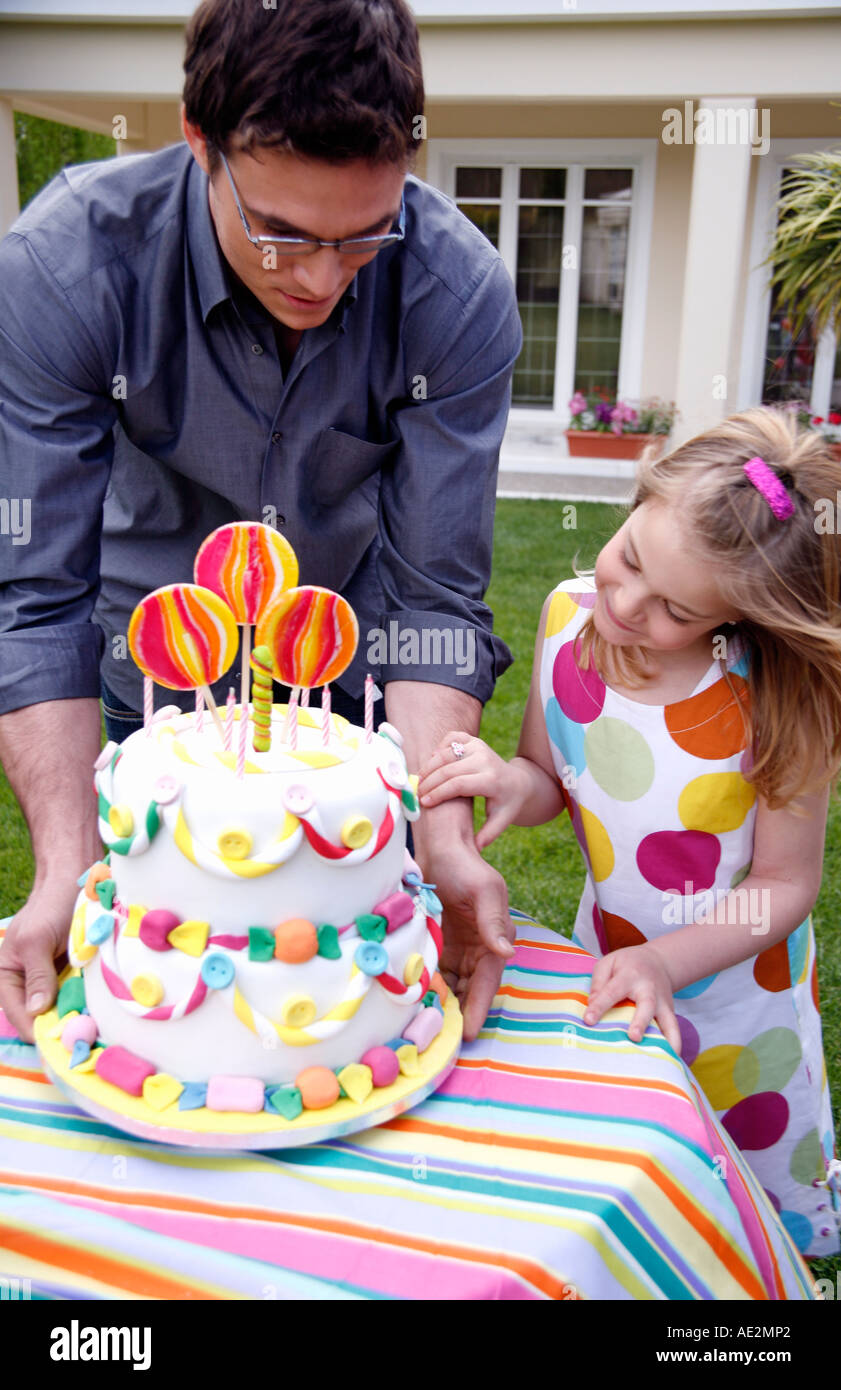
(261, 666)
(185, 638)
(312, 635)
(249, 565)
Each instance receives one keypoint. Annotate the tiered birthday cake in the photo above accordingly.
(256, 954)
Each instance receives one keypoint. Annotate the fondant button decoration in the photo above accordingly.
(328, 942)
(147, 990)
(103, 759)
(384, 1065)
(121, 820)
(190, 937)
(193, 1096)
(356, 832)
(413, 969)
(297, 799)
(105, 890)
(371, 926)
(161, 1090)
(81, 1026)
(100, 929)
(396, 774)
(423, 1028)
(81, 1052)
(286, 1100)
(261, 943)
(234, 844)
(71, 996)
(155, 927)
(357, 1081)
(238, 1093)
(296, 941)
(389, 731)
(95, 875)
(397, 908)
(124, 1069)
(298, 1011)
(319, 1087)
(217, 971)
(407, 1056)
(166, 789)
(370, 958)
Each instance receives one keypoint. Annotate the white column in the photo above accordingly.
(709, 334)
(9, 203)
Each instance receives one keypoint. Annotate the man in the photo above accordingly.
(167, 366)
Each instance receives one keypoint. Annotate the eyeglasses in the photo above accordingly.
(306, 245)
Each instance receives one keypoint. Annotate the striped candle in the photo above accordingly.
(325, 716)
(291, 730)
(243, 739)
(230, 711)
(369, 708)
(199, 711)
(148, 687)
(305, 697)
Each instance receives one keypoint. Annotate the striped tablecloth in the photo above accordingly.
(557, 1161)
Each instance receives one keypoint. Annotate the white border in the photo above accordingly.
(640, 155)
(758, 290)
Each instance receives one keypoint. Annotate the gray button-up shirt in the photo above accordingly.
(142, 404)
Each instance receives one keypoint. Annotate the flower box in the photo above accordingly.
(605, 444)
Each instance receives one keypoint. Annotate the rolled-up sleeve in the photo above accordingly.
(437, 501)
(56, 444)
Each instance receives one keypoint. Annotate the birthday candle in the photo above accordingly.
(243, 739)
(325, 716)
(369, 708)
(147, 704)
(199, 711)
(305, 697)
(291, 730)
(230, 711)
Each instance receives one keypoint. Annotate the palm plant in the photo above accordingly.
(806, 254)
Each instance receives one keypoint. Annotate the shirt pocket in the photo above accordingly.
(340, 464)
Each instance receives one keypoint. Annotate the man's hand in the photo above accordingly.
(477, 928)
(34, 938)
(638, 973)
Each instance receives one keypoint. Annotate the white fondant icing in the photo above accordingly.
(299, 881)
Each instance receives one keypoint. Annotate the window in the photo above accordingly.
(569, 220)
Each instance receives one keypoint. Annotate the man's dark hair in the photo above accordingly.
(328, 79)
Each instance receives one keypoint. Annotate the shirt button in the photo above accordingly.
(276, 437)
(217, 971)
(256, 349)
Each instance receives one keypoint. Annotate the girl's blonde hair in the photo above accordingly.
(782, 577)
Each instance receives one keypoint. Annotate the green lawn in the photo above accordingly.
(542, 865)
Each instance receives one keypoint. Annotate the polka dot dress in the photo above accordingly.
(665, 821)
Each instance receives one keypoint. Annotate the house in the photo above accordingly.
(624, 155)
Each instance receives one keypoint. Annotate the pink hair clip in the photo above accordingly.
(766, 481)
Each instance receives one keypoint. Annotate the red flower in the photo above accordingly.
(834, 417)
(817, 419)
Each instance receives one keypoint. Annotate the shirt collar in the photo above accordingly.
(205, 253)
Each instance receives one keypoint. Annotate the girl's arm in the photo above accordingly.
(765, 908)
(524, 791)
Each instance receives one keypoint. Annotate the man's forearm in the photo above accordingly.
(424, 713)
(47, 752)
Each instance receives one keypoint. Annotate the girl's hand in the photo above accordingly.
(638, 973)
(479, 772)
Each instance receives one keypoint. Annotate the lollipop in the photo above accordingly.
(249, 565)
(184, 637)
(311, 634)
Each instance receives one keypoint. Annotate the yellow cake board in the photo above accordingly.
(214, 1129)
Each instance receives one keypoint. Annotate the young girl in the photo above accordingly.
(686, 708)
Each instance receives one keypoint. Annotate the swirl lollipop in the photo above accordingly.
(249, 565)
(312, 635)
(184, 637)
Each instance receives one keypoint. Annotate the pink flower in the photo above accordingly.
(578, 403)
(621, 415)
